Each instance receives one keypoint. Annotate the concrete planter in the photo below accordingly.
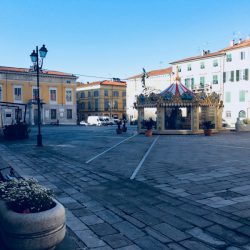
(33, 231)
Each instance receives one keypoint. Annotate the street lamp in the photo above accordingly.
(38, 64)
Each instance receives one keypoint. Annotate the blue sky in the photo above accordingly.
(117, 38)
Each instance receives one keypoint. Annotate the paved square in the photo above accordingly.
(190, 192)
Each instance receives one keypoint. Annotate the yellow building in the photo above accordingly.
(104, 98)
(57, 94)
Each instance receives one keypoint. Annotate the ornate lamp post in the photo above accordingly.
(38, 64)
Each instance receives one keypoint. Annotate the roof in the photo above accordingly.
(105, 82)
(156, 72)
(26, 70)
(242, 44)
(193, 58)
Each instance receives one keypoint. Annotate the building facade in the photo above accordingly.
(57, 94)
(156, 82)
(103, 98)
(225, 72)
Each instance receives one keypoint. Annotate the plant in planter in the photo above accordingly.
(30, 219)
(149, 126)
(207, 127)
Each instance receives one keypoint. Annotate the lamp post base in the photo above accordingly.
(39, 141)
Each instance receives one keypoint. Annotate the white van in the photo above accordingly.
(94, 120)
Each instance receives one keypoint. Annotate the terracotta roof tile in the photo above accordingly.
(156, 72)
(26, 70)
(242, 44)
(105, 82)
(193, 58)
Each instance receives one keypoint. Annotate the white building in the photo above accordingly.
(225, 72)
(157, 81)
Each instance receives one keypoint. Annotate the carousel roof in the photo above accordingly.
(177, 88)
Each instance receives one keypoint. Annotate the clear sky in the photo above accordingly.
(117, 38)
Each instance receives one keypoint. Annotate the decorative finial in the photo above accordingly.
(177, 78)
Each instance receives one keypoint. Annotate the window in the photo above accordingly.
(202, 82)
(242, 96)
(227, 97)
(215, 79)
(229, 58)
(89, 93)
(115, 104)
(96, 104)
(53, 95)
(68, 95)
(202, 65)
(17, 93)
(123, 93)
(68, 81)
(69, 113)
(242, 114)
(106, 92)
(187, 82)
(245, 74)
(189, 68)
(1, 93)
(115, 93)
(106, 104)
(89, 105)
(82, 94)
(124, 103)
(53, 114)
(179, 69)
(96, 93)
(231, 76)
(34, 93)
(215, 63)
(192, 83)
(228, 114)
(237, 75)
(242, 55)
(82, 105)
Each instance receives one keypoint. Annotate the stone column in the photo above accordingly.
(195, 119)
(160, 119)
(140, 117)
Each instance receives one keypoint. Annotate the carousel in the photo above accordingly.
(177, 110)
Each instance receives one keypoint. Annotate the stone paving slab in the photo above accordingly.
(178, 200)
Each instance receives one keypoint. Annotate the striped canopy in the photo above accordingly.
(177, 88)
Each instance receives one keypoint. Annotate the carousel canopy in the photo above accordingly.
(177, 88)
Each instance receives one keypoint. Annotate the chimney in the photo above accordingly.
(240, 40)
(203, 52)
(232, 42)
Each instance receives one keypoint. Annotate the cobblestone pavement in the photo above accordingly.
(192, 192)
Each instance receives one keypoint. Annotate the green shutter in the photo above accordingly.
(228, 97)
(232, 76)
(242, 96)
(246, 74)
(192, 83)
(237, 75)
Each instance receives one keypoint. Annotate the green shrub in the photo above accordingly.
(26, 196)
(246, 121)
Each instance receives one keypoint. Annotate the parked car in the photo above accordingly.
(83, 123)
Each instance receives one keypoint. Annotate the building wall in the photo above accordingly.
(226, 86)
(101, 110)
(134, 88)
(27, 82)
(235, 86)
